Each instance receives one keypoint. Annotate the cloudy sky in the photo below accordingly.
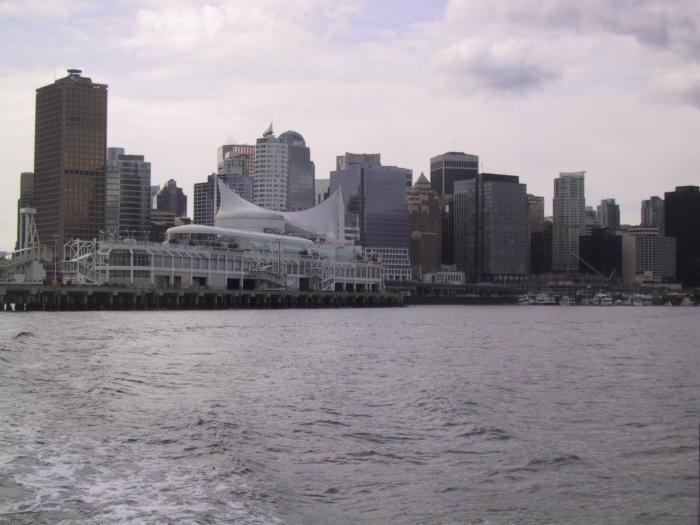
(532, 87)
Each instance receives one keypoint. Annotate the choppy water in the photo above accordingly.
(453, 414)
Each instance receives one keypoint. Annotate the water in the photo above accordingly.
(483, 415)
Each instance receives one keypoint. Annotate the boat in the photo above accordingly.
(565, 300)
(544, 298)
(602, 299)
(687, 302)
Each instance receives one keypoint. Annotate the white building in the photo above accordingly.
(569, 221)
(648, 257)
(271, 168)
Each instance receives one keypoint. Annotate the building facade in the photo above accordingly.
(301, 172)
(648, 256)
(70, 146)
(246, 151)
(171, 198)
(653, 213)
(375, 213)
(608, 214)
(366, 159)
(682, 221)
(127, 195)
(423, 219)
(271, 164)
(322, 189)
(569, 220)
(491, 228)
(535, 226)
(26, 200)
(445, 169)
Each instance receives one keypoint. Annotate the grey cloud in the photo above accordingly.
(502, 68)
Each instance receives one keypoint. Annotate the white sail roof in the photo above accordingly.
(326, 219)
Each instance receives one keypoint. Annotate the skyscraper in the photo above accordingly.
(300, 172)
(569, 220)
(171, 198)
(653, 213)
(609, 214)
(423, 220)
(246, 151)
(648, 256)
(535, 225)
(682, 221)
(69, 158)
(271, 161)
(26, 200)
(491, 227)
(128, 195)
(375, 216)
(445, 169)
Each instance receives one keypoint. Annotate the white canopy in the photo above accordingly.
(323, 220)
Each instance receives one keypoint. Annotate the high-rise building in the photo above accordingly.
(535, 226)
(682, 221)
(653, 213)
(366, 159)
(300, 172)
(26, 200)
(608, 214)
(445, 169)
(69, 158)
(375, 216)
(569, 220)
(171, 198)
(547, 239)
(246, 151)
(128, 195)
(491, 228)
(322, 189)
(424, 215)
(648, 256)
(271, 164)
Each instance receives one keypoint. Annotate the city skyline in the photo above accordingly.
(426, 87)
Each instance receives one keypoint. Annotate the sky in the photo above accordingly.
(534, 88)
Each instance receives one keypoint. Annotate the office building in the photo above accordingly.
(445, 169)
(154, 196)
(26, 200)
(600, 253)
(127, 195)
(366, 159)
(648, 256)
(423, 219)
(69, 159)
(171, 198)
(300, 172)
(491, 228)
(161, 221)
(547, 239)
(535, 226)
(682, 221)
(653, 213)
(375, 213)
(608, 214)
(246, 151)
(569, 220)
(270, 183)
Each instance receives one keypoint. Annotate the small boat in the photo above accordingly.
(687, 302)
(602, 299)
(544, 298)
(565, 300)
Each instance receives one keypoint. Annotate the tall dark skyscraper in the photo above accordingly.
(491, 228)
(70, 148)
(682, 221)
(445, 169)
(300, 172)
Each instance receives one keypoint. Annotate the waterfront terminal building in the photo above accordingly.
(248, 248)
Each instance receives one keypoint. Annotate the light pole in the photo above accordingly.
(55, 259)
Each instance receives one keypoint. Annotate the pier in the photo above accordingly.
(36, 297)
